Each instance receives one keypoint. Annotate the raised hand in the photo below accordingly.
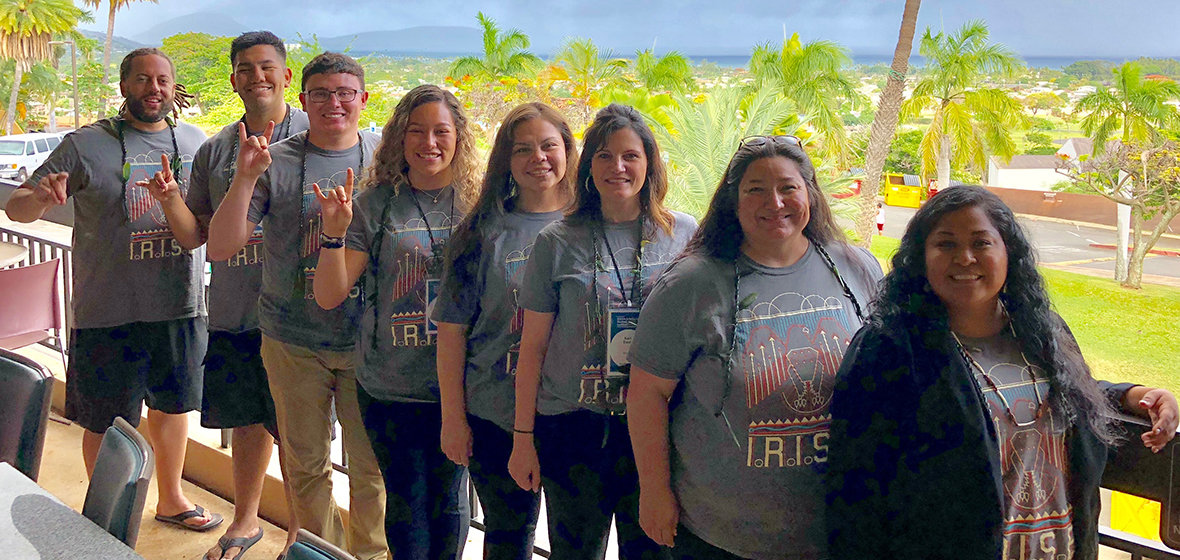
(253, 151)
(336, 206)
(51, 189)
(162, 185)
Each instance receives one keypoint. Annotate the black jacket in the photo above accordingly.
(913, 463)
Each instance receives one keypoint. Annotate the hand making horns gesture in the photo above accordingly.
(336, 206)
(253, 151)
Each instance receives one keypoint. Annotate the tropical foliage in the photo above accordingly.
(505, 54)
(587, 69)
(1133, 110)
(969, 121)
(26, 28)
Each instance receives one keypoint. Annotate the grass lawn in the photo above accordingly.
(1126, 335)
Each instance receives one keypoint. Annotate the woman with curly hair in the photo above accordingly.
(529, 181)
(734, 362)
(584, 284)
(965, 422)
(418, 188)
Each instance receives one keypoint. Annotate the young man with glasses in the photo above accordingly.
(236, 393)
(308, 351)
(139, 315)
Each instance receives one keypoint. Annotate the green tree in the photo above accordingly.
(699, 138)
(202, 65)
(969, 120)
(26, 27)
(504, 55)
(1144, 176)
(885, 121)
(589, 69)
(670, 72)
(809, 74)
(1134, 109)
(115, 5)
(1043, 101)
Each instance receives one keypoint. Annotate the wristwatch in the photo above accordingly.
(329, 242)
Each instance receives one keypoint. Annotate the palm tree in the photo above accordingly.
(26, 27)
(700, 138)
(504, 55)
(809, 75)
(115, 5)
(670, 72)
(1135, 108)
(589, 70)
(968, 120)
(885, 121)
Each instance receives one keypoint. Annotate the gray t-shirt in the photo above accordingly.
(1034, 461)
(490, 310)
(127, 265)
(397, 338)
(558, 279)
(233, 291)
(290, 216)
(748, 449)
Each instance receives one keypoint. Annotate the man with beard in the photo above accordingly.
(139, 315)
(236, 394)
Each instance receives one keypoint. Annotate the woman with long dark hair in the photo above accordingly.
(734, 362)
(584, 284)
(529, 181)
(965, 422)
(416, 191)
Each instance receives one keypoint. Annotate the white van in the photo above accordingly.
(20, 154)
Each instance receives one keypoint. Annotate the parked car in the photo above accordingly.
(20, 154)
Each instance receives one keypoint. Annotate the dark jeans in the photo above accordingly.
(588, 472)
(690, 547)
(426, 509)
(509, 513)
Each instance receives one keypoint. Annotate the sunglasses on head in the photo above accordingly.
(761, 140)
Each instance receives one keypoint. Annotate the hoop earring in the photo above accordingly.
(512, 186)
(587, 185)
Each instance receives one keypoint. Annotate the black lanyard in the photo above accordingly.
(436, 246)
(175, 164)
(284, 130)
(303, 206)
(635, 294)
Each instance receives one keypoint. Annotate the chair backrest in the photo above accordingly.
(119, 485)
(309, 546)
(29, 304)
(24, 411)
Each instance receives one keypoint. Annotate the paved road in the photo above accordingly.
(1068, 245)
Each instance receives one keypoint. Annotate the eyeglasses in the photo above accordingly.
(761, 140)
(321, 95)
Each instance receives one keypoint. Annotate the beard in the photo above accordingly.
(136, 107)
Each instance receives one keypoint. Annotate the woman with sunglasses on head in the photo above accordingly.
(584, 284)
(528, 183)
(965, 423)
(416, 191)
(734, 361)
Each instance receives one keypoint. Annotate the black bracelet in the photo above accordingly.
(329, 242)
(516, 431)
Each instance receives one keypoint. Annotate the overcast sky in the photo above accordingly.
(1127, 28)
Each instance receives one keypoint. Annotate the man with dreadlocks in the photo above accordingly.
(236, 394)
(139, 315)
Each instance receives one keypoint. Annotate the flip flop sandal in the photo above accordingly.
(240, 542)
(215, 519)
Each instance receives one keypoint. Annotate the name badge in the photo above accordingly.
(621, 322)
(432, 288)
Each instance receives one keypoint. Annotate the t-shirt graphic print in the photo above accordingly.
(790, 347)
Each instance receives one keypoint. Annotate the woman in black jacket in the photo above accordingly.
(965, 422)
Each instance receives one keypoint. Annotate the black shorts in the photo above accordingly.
(113, 370)
(236, 390)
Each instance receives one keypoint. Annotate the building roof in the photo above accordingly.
(1028, 162)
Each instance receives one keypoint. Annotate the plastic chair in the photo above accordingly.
(308, 546)
(119, 485)
(30, 308)
(24, 411)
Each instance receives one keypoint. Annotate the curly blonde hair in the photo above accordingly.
(389, 160)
